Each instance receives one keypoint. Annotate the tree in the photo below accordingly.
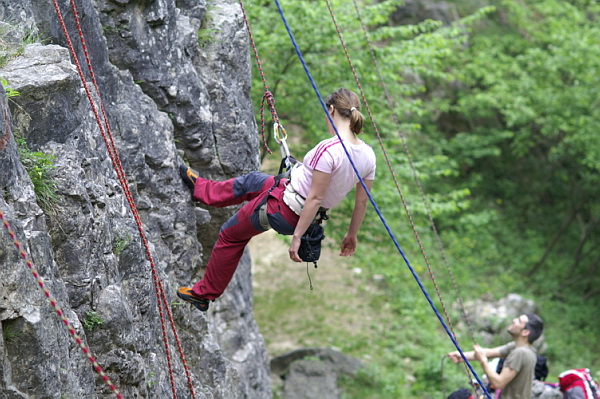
(404, 55)
(523, 124)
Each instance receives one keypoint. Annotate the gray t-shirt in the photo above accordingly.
(521, 359)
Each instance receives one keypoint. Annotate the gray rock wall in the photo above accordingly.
(169, 98)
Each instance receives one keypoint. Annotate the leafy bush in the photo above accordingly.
(92, 320)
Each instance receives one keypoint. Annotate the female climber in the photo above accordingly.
(320, 183)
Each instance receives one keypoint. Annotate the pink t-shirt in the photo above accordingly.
(329, 157)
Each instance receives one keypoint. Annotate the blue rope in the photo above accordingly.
(387, 227)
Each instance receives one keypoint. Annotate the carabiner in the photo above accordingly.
(279, 133)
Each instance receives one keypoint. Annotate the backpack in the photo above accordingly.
(578, 384)
(541, 367)
(462, 393)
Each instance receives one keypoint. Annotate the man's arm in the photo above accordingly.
(490, 353)
(498, 381)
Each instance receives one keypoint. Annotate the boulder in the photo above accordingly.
(312, 373)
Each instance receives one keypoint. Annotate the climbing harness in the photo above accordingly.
(57, 307)
(371, 199)
(294, 200)
(104, 126)
(310, 243)
(262, 207)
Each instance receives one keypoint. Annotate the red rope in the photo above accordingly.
(131, 202)
(57, 308)
(106, 132)
(268, 96)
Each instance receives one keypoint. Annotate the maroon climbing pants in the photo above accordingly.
(235, 234)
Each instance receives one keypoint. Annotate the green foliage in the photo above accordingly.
(404, 51)
(150, 380)
(523, 126)
(121, 242)
(8, 90)
(92, 320)
(207, 32)
(520, 125)
(39, 166)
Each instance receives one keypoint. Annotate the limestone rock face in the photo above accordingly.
(169, 98)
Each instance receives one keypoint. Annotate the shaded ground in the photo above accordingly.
(289, 314)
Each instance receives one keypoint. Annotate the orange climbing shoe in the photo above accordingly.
(188, 176)
(187, 295)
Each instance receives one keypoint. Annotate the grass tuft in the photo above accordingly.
(39, 166)
(14, 38)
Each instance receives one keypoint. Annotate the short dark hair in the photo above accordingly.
(535, 325)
